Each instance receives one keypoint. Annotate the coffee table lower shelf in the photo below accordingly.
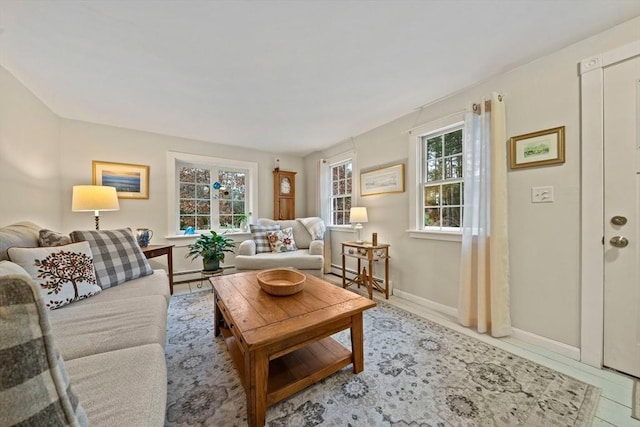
(297, 370)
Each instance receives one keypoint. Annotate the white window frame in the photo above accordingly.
(325, 198)
(342, 196)
(441, 182)
(173, 191)
(416, 178)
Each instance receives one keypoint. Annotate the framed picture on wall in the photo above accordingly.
(545, 147)
(383, 180)
(131, 181)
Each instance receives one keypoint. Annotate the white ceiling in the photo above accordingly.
(281, 76)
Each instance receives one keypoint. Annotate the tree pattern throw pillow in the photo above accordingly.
(64, 273)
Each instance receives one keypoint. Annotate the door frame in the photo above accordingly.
(592, 199)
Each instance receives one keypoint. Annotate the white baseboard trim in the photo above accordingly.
(547, 343)
(431, 305)
(337, 270)
(518, 334)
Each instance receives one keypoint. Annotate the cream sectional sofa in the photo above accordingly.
(311, 257)
(112, 343)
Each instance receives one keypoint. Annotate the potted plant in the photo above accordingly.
(211, 248)
(244, 219)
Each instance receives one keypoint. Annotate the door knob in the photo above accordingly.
(619, 220)
(619, 241)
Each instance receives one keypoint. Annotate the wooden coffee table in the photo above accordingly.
(281, 345)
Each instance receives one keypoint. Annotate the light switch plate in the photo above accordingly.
(542, 194)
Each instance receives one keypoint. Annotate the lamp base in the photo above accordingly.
(97, 222)
(358, 227)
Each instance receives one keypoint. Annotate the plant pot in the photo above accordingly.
(211, 265)
(244, 226)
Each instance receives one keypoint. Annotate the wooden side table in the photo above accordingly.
(153, 251)
(366, 251)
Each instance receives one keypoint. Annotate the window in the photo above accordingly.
(205, 201)
(232, 208)
(195, 197)
(341, 186)
(442, 180)
(210, 193)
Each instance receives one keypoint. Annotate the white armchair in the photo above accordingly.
(310, 256)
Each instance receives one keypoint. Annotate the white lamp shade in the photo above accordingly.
(358, 215)
(94, 198)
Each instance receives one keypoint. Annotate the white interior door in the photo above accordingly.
(621, 216)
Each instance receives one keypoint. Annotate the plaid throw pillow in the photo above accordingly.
(35, 387)
(259, 234)
(117, 257)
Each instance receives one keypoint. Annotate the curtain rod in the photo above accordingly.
(456, 113)
(487, 105)
(475, 107)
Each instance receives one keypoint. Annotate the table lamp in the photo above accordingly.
(95, 198)
(358, 216)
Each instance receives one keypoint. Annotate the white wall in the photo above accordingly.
(42, 157)
(29, 157)
(544, 238)
(83, 142)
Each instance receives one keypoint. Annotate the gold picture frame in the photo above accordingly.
(131, 181)
(542, 148)
(384, 180)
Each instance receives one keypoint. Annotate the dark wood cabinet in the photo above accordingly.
(284, 194)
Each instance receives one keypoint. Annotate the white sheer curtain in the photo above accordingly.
(483, 301)
(322, 187)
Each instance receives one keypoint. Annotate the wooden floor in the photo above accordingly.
(614, 408)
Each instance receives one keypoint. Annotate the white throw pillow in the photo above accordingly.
(315, 226)
(64, 273)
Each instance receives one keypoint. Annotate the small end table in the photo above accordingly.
(153, 251)
(368, 252)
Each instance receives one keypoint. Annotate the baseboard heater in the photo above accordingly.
(196, 274)
(335, 270)
(350, 273)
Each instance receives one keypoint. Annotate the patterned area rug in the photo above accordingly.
(417, 373)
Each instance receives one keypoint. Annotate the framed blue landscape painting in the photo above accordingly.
(131, 181)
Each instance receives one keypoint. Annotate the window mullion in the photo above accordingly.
(214, 213)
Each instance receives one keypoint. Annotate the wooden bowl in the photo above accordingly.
(281, 281)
